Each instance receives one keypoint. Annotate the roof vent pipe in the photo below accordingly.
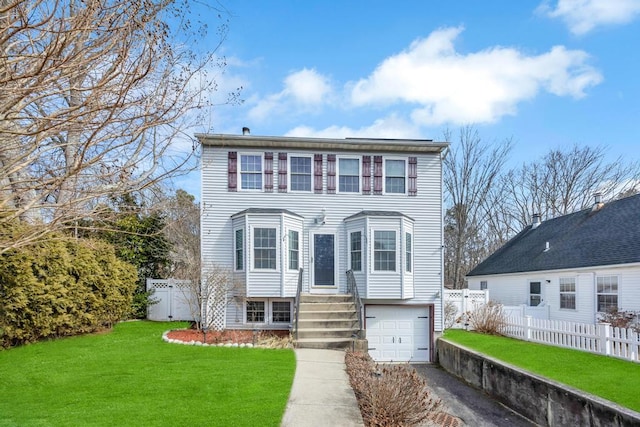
(546, 247)
(536, 221)
(246, 131)
(597, 202)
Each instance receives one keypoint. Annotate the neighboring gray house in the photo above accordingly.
(279, 211)
(579, 265)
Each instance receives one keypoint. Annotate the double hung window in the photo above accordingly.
(251, 172)
(356, 250)
(264, 248)
(394, 176)
(300, 173)
(567, 293)
(348, 175)
(607, 293)
(239, 249)
(294, 250)
(384, 250)
(255, 312)
(409, 249)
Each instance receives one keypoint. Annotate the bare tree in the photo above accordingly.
(182, 230)
(96, 95)
(471, 167)
(561, 183)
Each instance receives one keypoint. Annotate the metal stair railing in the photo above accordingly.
(296, 313)
(352, 288)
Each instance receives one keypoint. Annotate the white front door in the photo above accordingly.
(398, 333)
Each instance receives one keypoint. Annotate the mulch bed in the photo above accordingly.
(233, 336)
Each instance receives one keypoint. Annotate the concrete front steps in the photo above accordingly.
(326, 321)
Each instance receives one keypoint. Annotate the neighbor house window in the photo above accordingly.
(356, 250)
(394, 176)
(294, 250)
(535, 293)
(239, 249)
(607, 293)
(483, 285)
(568, 293)
(409, 259)
(251, 172)
(280, 311)
(255, 312)
(349, 175)
(384, 250)
(264, 248)
(300, 173)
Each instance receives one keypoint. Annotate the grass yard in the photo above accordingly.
(614, 379)
(130, 377)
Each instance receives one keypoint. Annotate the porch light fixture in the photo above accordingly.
(322, 218)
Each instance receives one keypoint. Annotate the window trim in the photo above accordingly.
(374, 250)
(351, 250)
(253, 248)
(384, 174)
(574, 292)
(617, 292)
(235, 249)
(358, 175)
(289, 249)
(290, 172)
(268, 311)
(240, 172)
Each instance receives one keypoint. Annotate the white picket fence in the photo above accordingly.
(172, 298)
(599, 338)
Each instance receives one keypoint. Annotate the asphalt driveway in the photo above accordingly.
(472, 406)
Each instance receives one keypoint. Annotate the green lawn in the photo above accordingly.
(130, 377)
(614, 379)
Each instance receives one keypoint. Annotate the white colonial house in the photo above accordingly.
(303, 223)
(576, 266)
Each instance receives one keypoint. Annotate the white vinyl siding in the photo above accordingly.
(219, 205)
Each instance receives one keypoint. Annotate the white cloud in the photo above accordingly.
(304, 90)
(388, 127)
(583, 16)
(480, 87)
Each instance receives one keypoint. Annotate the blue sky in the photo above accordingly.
(548, 74)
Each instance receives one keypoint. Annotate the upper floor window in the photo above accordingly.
(408, 245)
(294, 250)
(239, 249)
(300, 173)
(394, 176)
(251, 172)
(384, 250)
(264, 248)
(356, 250)
(607, 293)
(349, 175)
(568, 293)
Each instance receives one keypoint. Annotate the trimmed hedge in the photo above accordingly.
(60, 287)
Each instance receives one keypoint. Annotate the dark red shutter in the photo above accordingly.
(317, 173)
(268, 172)
(377, 174)
(366, 174)
(413, 176)
(232, 171)
(331, 173)
(282, 172)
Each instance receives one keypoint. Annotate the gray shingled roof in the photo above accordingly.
(608, 236)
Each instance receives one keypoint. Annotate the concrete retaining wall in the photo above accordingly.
(543, 401)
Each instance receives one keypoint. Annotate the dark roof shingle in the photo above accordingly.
(607, 236)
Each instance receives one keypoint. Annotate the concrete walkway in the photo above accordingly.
(321, 394)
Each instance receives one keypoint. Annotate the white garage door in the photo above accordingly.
(398, 333)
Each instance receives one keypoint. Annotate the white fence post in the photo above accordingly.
(604, 334)
(527, 328)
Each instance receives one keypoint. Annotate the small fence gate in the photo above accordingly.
(175, 300)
